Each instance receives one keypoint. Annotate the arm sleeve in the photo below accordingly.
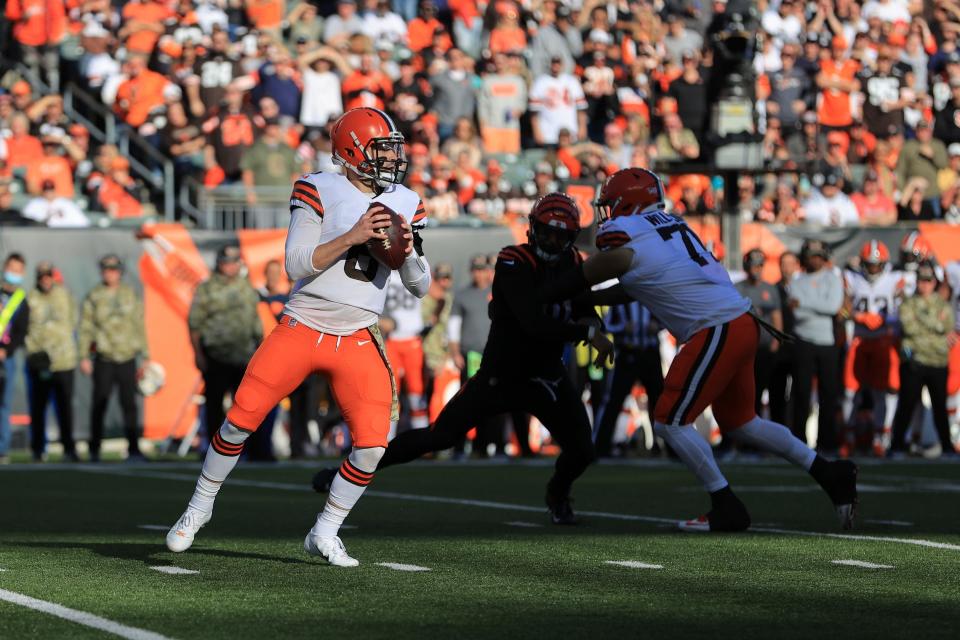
(86, 328)
(303, 236)
(908, 319)
(515, 284)
(18, 327)
(198, 312)
(455, 327)
(415, 274)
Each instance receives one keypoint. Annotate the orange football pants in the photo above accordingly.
(406, 360)
(358, 376)
(713, 368)
(872, 363)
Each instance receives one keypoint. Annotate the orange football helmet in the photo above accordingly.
(366, 142)
(914, 249)
(629, 191)
(874, 257)
(554, 225)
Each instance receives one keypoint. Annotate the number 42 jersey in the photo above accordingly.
(349, 294)
(672, 273)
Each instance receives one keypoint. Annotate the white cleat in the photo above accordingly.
(181, 535)
(696, 525)
(330, 548)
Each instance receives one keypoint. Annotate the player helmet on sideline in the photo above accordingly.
(367, 143)
(554, 225)
(874, 257)
(914, 249)
(629, 191)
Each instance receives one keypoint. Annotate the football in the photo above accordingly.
(391, 251)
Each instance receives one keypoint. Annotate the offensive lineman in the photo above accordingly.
(330, 322)
(521, 369)
(663, 264)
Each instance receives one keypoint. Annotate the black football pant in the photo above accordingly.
(822, 362)
(551, 399)
(913, 377)
(632, 365)
(783, 369)
(218, 379)
(106, 374)
(42, 386)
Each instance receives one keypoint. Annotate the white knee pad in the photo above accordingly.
(366, 459)
(232, 434)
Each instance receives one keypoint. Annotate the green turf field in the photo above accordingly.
(71, 536)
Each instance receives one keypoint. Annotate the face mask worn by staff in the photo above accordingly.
(16, 279)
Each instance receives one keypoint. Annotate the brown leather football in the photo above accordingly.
(391, 251)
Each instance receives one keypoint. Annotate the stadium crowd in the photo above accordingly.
(856, 104)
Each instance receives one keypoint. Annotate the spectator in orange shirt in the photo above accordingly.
(837, 80)
(266, 15)
(141, 93)
(52, 166)
(22, 96)
(22, 148)
(467, 26)
(38, 27)
(421, 29)
(507, 36)
(367, 86)
(117, 194)
(143, 24)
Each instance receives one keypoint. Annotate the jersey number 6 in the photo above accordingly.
(360, 265)
(689, 238)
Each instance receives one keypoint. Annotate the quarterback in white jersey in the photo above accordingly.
(405, 348)
(330, 323)
(661, 263)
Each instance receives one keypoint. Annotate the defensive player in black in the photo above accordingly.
(521, 368)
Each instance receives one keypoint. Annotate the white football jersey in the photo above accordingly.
(350, 293)
(881, 296)
(672, 273)
(952, 271)
(404, 308)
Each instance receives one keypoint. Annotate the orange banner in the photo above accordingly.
(258, 247)
(170, 268)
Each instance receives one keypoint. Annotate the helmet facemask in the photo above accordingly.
(552, 239)
(384, 160)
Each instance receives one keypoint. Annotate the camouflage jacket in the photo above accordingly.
(926, 323)
(224, 313)
(53, 320)
(111, 324)
(435, 341)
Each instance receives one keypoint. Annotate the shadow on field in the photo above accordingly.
(147, 553)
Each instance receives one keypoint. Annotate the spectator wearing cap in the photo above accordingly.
(816, 297)
(270, 162)
(946, 126)
(923, 158)
(766, 304)
(676, 142)
(22, 148)
(837, 81)
(873, 205)
(51, 360)
(322, 98)
(53, 210)
(556, 37)
(927, 322)
(225, 330)
(835, 159)
(463, 140)
(97, 62)
(38, 27)
(52, 166)
(111, 336)
(119, 193)
(828, 205)
(557, 102)
(454, 96)
(885, 93)
(501, 102)
(791, 90)
(22, 94)
(690, 92)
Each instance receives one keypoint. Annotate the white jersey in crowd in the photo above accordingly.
(882, 296)
(350, 293)
(403, 308)
(556, 101)
(672, 274)
(952, 273)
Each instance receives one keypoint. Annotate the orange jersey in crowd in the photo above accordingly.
(464, 10)
(22, 150)
(366, 90)
(152, 13)
(420, 34)
(834, 110)
(37, 22)
(506, 40)
(266, 14)
(53, 168)
(138, 96)
(117, 202)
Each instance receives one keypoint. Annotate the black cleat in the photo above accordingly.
(323, 479)
(841, 486)
(561, 509)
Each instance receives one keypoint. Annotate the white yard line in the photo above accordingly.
(175, 571)
(893, 523)
(154, 527)
(633, 564)
(522, 524)
(861, 564)
(505, 506)
(396, 566)
(80, 617)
